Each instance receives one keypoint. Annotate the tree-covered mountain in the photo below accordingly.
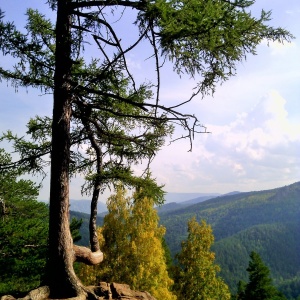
(172, 200)
(84, 229)
(172, 206)
(264, 221)
(185, 197)
(267, 222)
(277, 243)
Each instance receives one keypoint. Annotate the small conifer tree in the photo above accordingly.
(260, 285)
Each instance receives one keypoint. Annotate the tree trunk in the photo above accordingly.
(97, 185)
(85, 118)
(93, 219)
(62, 279)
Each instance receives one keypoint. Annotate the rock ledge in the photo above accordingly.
(121, 291)
(104, 291)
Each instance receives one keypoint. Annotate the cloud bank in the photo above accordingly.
(257, 147)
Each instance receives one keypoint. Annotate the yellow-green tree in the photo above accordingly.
(196, 277)
(132, 246)
(148, 253)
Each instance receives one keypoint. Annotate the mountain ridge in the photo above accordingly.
(266, 221)
(263, 221)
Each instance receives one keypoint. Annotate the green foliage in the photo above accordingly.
(23, 233)
(84, 228)
(241, 287)
(132, 245)
(168, 256)
(112, 125)
(263, 238)
(34, 51)
(205, 38)
(260, 283)
(209, 37)
(260, 221)
(118, 121)
(75, 226)
(196, 278)
(290, 288)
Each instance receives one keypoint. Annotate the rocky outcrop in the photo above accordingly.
(120, 291)
(104, 291)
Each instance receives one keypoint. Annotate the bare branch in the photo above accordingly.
(153, 43)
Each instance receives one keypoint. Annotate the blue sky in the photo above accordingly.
(254, 117)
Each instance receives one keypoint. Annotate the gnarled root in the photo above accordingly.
(105, 291)
(40, 293)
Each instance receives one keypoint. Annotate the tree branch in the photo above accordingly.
(85, 255)
(84, 4)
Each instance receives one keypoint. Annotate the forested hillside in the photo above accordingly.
(265, 221)
(84, 229)
(85, 206)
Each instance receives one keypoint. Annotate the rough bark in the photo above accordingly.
(94, 241)
(62, 280)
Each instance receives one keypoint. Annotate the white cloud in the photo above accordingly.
(258, 146)
(293, 12)
(133, 63)
(262, 129)
(250, 147)
(280, 48)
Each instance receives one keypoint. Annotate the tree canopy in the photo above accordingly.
(99, 103)
(23, 233)
(196, 276)
(260, 285)
(131, 240)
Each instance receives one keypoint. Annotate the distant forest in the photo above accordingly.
(267, 222)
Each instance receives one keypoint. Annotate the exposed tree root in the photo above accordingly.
(40, 293)
(104, 291)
